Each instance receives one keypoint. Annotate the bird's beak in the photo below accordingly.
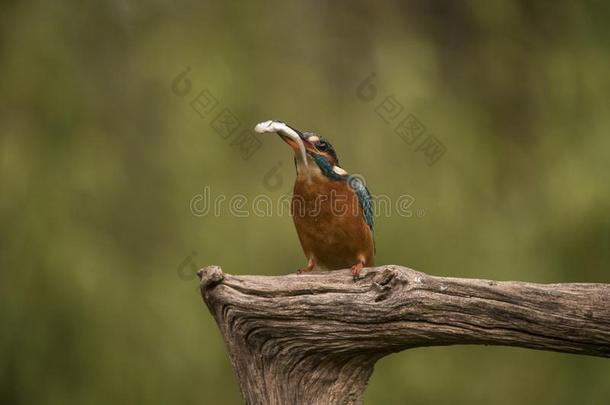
(293, 137)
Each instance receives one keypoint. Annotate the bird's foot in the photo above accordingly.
(303, 270)
(308, 268)
(356, 269)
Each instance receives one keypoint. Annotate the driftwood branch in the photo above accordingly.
(315, 338)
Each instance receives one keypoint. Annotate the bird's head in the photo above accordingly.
(312, 151)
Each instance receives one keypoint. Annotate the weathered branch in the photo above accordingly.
(315, 338)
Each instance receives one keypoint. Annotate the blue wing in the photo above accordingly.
(365, 199)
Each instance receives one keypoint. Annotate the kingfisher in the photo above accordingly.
(331, 209)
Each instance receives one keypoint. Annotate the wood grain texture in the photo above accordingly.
(314, 338)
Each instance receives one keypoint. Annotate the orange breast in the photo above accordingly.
(330, 223)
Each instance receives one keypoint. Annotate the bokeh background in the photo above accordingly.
(101, 156)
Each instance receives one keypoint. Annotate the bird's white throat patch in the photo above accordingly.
(339, 171)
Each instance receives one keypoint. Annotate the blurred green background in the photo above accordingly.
(100, 158)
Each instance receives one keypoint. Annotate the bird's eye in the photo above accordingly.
(322, 145)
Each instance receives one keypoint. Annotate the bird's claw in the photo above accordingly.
(356, 269)
(308, 268)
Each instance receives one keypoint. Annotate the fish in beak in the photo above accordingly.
(294, 138)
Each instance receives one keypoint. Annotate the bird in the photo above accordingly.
(332, 210)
